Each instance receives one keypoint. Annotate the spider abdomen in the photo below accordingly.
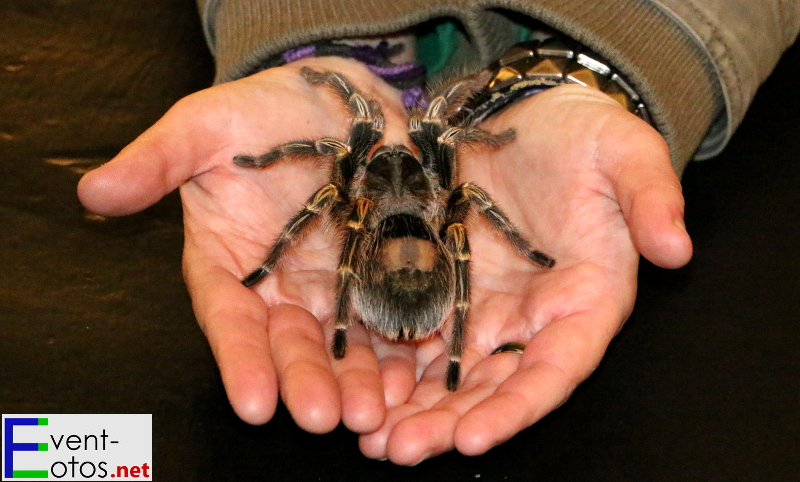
(404, 303)
(406, 279)
(409, 254)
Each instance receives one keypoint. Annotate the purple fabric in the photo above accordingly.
(414, 97)
(299, 53)
(408, 76)
(369, 55)
(408, 70)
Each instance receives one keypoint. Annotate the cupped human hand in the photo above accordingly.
(590, 185)
(267, 341)
(586, 182)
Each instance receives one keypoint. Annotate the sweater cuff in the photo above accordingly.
(244, 33)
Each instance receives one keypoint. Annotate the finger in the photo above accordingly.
(397, 364)
(234, 320)
(559, 356)
(430, 432)
(648, 191)
(307, 383)
(430, 389)
(158, 161)
(373, 445)
(358, 374)
(412, 444)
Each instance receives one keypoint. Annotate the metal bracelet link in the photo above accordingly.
(533, 66)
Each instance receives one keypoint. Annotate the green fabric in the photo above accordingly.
(523, 33)
(436, 48)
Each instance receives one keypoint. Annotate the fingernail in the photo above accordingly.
(424, 457)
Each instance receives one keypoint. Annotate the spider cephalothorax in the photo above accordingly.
(404, 265)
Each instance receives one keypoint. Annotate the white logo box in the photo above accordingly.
(77, 447)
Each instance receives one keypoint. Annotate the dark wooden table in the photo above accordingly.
(703, 383)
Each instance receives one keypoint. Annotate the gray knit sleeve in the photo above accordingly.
(696, 63)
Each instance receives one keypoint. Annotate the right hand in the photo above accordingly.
(268, 341)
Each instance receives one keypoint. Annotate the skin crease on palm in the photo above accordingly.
(585, 181)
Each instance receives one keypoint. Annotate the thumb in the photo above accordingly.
(648, 191)
(172, 151)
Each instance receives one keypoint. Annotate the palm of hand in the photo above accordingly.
(556, 181)
(563, 182)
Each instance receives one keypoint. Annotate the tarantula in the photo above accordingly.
(404, 264)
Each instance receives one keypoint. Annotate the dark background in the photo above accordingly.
(701, 384)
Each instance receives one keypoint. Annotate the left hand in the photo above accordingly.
(588, 184)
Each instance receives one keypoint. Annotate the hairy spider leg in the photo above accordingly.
(319, 202)
(323, 147)
(366, 131)
(367, 125)
(456, 241)
(459, 93)
(354, 237)
(438, 141)
(469, 194)
(424, 130)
